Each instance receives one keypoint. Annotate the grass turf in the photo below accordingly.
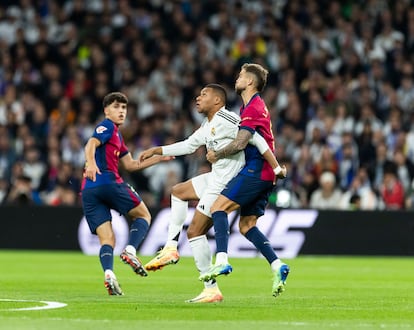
(321, 293)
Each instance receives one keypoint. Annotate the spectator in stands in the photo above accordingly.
(68, 55)
(33, 166)
(4, 189)
(405, 168)
(355, 202)
(392, 190)
(360, 193)
(326, 162)
(7, 154)
(381, 161)
(21, 192)
(328, 196)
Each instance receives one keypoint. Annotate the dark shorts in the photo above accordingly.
(250, 193)
(98, 201)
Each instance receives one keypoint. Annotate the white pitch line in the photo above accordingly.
(48, 305)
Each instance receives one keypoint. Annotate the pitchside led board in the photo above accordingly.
(285, 240)
(280, 227)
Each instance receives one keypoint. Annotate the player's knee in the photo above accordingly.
(147, 216)
(190, 233)
(195, 232)
(216, 207)
(107, 238)
(142, 213)
(178, 190)
(245, 224)
(243, 228)
(228, 207)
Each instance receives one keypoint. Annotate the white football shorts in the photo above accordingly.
(207, 191)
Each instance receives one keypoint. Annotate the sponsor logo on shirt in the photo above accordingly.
(100, 129)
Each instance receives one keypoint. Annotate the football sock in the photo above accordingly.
(211, 284)
(201, 252)
(276, 264)
(221, 258)
(202, 257)
(261, 243)
(106, 256)
(139, 229)
(221, 230)
(179, 210)
(110, 272)
(131, 249)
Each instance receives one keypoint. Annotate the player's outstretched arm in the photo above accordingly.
(131, 164)
(149, 153)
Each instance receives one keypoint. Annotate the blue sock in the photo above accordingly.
(221, 230)
(137, 232)
(106, 256)
(261, 243)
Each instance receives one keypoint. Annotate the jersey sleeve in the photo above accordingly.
(259, 142)
(124, 149)
(232, 125)
(103, 132)
(188, 146)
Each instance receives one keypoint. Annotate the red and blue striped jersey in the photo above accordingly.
(107, 155)
(256, 118)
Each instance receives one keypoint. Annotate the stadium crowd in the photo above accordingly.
(340, 91)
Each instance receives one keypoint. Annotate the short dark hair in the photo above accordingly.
(259, 72)
(114, 96)
(219, 90)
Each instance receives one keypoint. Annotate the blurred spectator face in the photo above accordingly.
(389, 180)
(4, 143)
(347, 151)
(32, 155)
(327, 181)
(54, 159)
(399, 158)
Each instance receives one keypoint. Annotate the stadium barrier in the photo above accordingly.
(292, 232)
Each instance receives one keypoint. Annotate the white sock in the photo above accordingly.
(131, 249)
(221, 258)
(179, 210)
(202, 256)
(211, 284)
(276, 264)
(201, 252)
(109, 272)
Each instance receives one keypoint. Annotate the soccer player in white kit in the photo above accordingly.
(219, 128)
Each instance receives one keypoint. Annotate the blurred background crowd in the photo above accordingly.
(340, 92)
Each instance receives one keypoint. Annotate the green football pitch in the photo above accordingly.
(321, 293)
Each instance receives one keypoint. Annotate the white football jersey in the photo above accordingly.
(214, 134)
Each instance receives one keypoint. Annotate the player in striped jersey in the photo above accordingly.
(250, 189)
(218, 129)
(104, 189)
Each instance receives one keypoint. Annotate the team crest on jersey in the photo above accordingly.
(213, 131)
(100, 129)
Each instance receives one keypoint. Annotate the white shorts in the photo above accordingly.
(207, 191)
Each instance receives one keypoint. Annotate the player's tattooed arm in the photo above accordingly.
(238, 144)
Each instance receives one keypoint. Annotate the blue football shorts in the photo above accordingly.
(98, 201)
(250, 193)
